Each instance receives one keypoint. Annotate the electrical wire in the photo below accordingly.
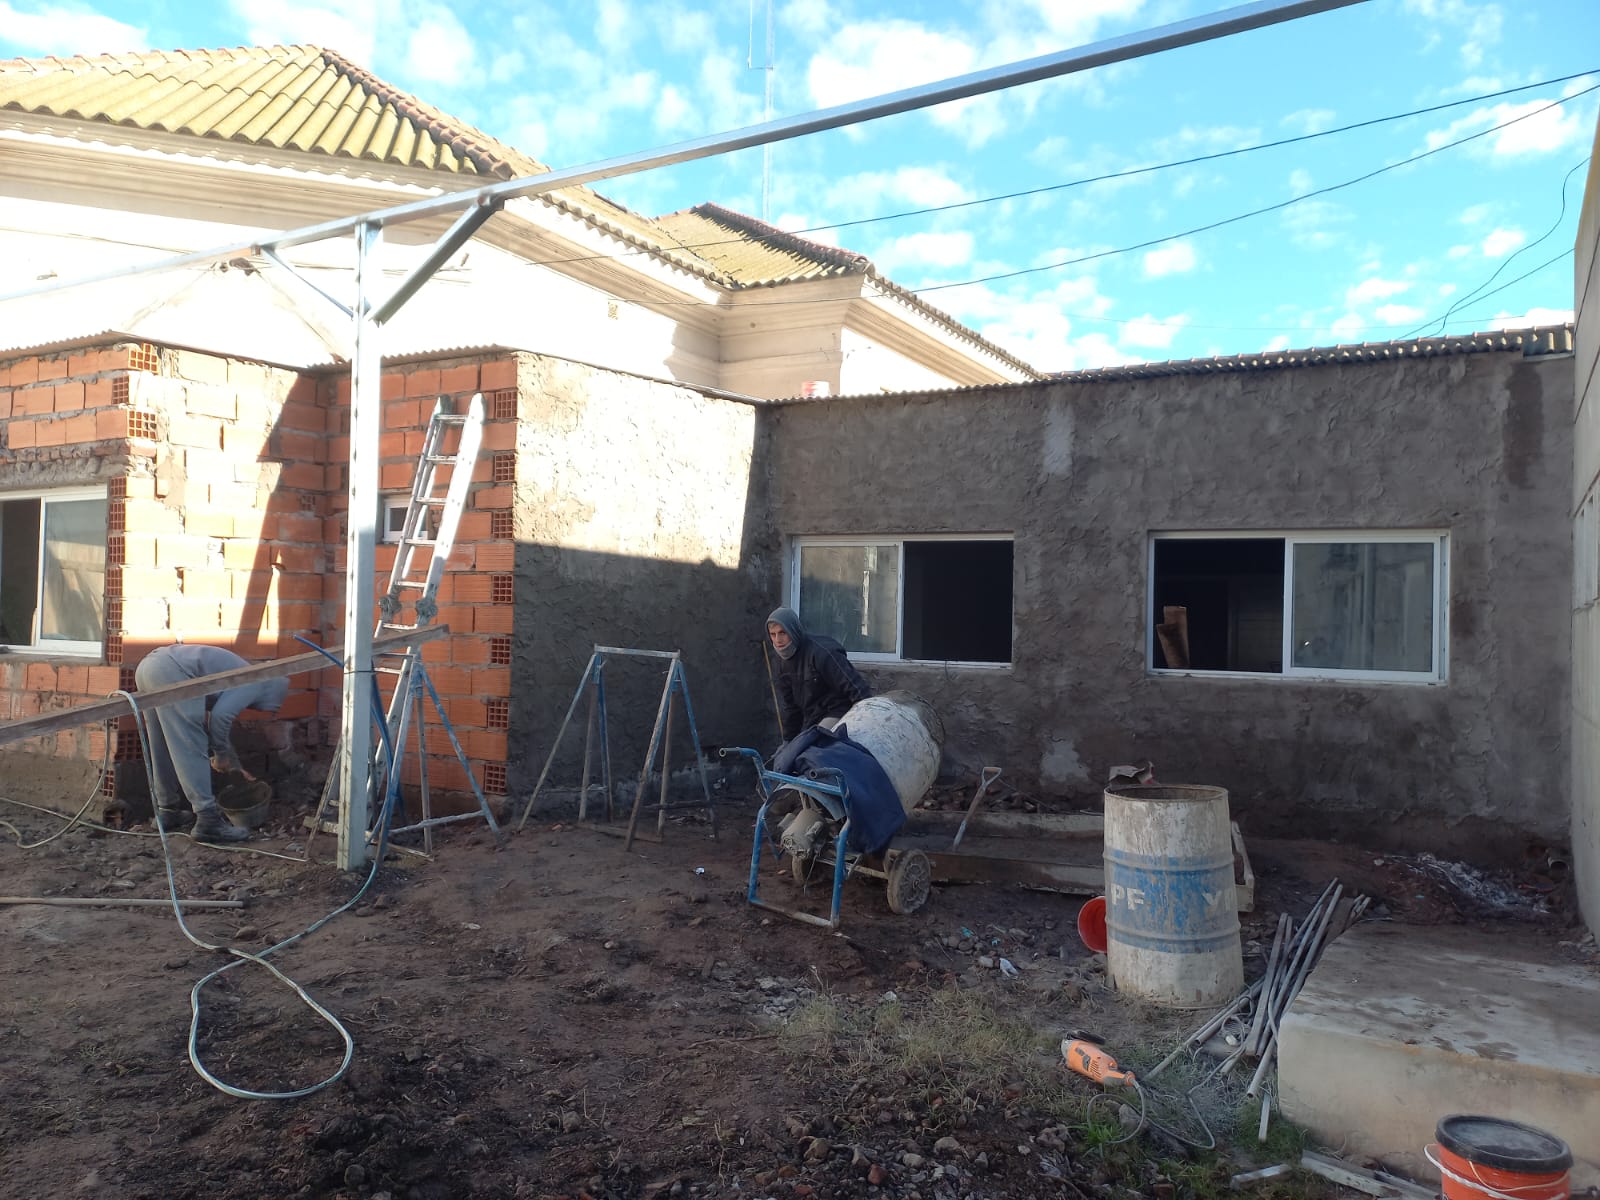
(1131, 172)
(1506, 262)
(243, 956)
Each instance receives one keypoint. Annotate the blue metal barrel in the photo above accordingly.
(1172, 921)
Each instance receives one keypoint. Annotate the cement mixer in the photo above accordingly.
(839, 796)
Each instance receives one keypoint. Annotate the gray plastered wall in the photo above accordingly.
(1082, 472)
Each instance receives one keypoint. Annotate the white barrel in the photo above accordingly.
(1172, 919)
(904, 734)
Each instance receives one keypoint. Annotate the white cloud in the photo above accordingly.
(1313, 224)
(875, 192)
(672, 111)
(1477, 214)
(1539, 129)
(1309, 120)
(1502, 242)
(1300, 181)
(1372, 289)
(1398, 314)
(1152, 333)
(809, 17)
(1068, 24)
(1534, 316)
(924, 250)
(66, 29)
(1348, 328)
(1474, 28)
(1281, 342)
(440, 50)
(867, 58)
(1459, 251)
(1175, 259)
(349, 27)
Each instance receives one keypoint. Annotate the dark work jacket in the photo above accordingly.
(817, 681)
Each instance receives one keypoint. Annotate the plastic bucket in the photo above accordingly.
(1488, 1158)
(1172, 920)
(904, 734)
(1092, 924)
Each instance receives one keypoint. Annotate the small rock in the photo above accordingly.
(570, 1121)
(355, 1175)
(796, 1127)
(948, 1145)
(818, 1150)
(981, 1163)
(986, 962)
(912, 1161)
(876, 1175)
(858, 1158)
(175, 964)
(246, 933)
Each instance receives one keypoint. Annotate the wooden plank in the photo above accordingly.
(1010, 824)
(117, 706)
(1351, 1176)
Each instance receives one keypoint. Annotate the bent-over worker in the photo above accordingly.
(816, 683)
(189, 738)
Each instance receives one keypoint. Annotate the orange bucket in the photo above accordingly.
(1487, 1158)
(1092, 924)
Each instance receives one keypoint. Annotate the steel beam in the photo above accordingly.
(1193, 31)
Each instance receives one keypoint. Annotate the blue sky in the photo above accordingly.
(1076, 274)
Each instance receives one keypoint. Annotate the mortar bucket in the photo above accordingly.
(1487, 1158)
(1092, 924)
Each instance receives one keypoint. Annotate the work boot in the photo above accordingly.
(173, 820)
(211, 826)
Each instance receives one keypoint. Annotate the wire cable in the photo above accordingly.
(1477, 293)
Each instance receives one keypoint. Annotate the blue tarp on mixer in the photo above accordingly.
(871, 802)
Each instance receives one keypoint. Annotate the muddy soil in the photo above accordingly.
(557, 1017)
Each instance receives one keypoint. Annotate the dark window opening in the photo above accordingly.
(957, 604)
(19, 570)
(1231, 594)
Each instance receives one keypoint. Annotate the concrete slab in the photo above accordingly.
(1401, 1025)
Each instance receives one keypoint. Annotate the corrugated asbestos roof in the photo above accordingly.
(309, 100)
(753, 254)
(1543, 339)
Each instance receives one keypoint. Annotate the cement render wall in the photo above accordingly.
(632, 530)
(1586, 542)
(1082, 473)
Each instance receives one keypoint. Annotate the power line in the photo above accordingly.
(1256, 212)
(1474, 293)
(1131, 172)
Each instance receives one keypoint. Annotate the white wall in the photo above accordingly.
(1586, 558)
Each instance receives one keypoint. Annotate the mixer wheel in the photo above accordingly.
(910, 876)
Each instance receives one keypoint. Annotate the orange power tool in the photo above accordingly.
(1082, 1053)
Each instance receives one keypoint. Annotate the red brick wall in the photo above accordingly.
(227, 488)
(471, 668)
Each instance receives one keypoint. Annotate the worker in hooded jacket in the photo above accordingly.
(816, 683)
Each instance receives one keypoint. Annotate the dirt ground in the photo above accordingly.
(560, 1018)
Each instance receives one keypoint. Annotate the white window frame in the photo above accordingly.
(34, 646)
(1439, 538)
(899, 540)
(390, 503)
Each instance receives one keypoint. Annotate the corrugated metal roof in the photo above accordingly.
(753, 254)
(1533, 342)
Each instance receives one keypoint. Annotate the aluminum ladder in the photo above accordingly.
(426, 539)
